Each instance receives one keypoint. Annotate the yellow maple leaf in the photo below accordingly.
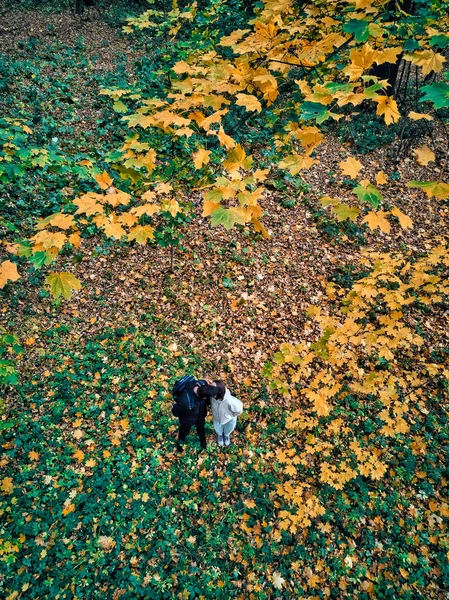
(103, 180)
(424, 155)
(68, 509)
(432, 188)
(127, 219)
(112, 227)
(208, 207)
(416, 116)
(141, 233)
(427, 59)
(249, 101)
(296, 162)
(88, 204)
(225, 140)
(377, 219)
(386, 106)
(381, 178)
(171, 206)
(33, 455)
(146, 209)
(7, 485)
(79, 455)
(201, 157)
(404, 220)
(351, 166)
(361, 60)
(8, 272)
(389, 55)
(237, 159)
(75, 239)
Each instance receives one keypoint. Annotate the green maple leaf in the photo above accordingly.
(62, 284)
(369, 194)
(343, 211)
(227, 217)
(437, 93)
(359, 28)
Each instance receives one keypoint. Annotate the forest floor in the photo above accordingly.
(99, 504)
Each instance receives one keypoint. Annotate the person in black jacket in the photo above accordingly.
(202, 393)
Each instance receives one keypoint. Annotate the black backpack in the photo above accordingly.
(183, 395)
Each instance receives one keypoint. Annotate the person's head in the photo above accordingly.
(207, 391)
(221, 389)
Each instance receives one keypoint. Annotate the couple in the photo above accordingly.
(225, 410)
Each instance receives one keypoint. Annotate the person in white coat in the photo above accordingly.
(225, 410)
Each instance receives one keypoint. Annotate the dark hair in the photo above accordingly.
(206, 391)
(221, 389)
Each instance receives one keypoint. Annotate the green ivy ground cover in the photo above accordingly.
(96, 503)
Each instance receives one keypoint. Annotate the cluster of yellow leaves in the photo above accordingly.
(332, 368)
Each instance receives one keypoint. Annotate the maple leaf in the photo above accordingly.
(260, 228)
(8, 272)
(368, 193)
(225, 140)
(343, 211)
(89, 204)
(388, 55)
(278, 581)
(377, 219)
(351, 166)
(432, 188)
(47, 239)
(381, 178)
(424, 155)
(171, 206)
(361, 60)
(429, 60)
(127, 219)
(103, 180)
(7, 485)
(208, 207)
(228, 217)
(62, 284)
(141, 233)
(79, 455)
(386, 106)
(146, 209)
(249, 102)
(415, 116)
(33, 455)
(201, 157)
(237, 159)
(106, 543)
(296, 162)
(112, 227)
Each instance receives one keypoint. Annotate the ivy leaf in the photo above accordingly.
(437, 93)
(228, 217)
(62, 284)
(369, 194)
